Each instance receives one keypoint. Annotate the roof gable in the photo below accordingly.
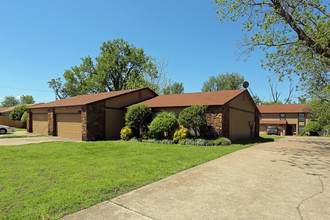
(86, 99)
(189, 99)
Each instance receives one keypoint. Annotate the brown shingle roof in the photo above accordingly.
(189, 99)
(85, 99)
(285, 108)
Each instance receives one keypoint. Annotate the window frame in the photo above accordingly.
(301, 119)
(282, 118)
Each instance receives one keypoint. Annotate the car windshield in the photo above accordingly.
(272, 127)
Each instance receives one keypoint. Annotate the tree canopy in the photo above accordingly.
(319, 107)
(224, 81)
(17, 112)
(294, 34)
(26, 99)
(175, 88)
(119, 66)
(9, 101)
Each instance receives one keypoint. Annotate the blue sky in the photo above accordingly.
(40, 39)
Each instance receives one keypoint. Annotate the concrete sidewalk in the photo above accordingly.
(287, 179)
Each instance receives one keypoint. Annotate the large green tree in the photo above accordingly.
(173, 88)
(9, 101)
(294, 34)
(26, 99)
(319, 107)
(119, 66)
(224, 81)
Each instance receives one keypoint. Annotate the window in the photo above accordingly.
(301, 117)
(282, 116)
(301, 129)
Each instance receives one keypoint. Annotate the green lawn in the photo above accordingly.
(274, 137)
(20, 129)
(50, 180)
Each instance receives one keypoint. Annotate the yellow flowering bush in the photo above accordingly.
(180, 134)
(126, 133)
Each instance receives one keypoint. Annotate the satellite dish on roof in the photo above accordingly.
(245, 84)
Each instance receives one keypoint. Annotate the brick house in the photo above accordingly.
(289, 118)
(86, 117)
(100, 116)
(230, 113)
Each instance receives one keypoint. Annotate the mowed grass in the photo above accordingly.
(50, 180)
(19, 129)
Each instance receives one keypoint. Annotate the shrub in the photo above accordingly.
(221, 141)
(313, 127)
(17, 112)
(326, 127)
(165, 122)
(166, 141)
(23, 120)
(205, 142)
(187, 141)
(194, 118)
(202, 142)
(150, 140)
(180, 134)
(126, 133)
(196, 142)
(163, 141)
(138, 117)
(134, 139)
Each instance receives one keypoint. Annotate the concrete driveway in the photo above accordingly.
(31, 140)
(287, 179)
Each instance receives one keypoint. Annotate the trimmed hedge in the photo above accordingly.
(138, 117)
(165, 122)
(313, 127)
(194, 118)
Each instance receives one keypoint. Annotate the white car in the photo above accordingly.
(4, 129)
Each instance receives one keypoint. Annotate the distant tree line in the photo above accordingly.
(10, 101)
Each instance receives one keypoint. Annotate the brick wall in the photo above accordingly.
(51, 122)
(214, 121)
(93, 121)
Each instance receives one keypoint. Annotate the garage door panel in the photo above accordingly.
(69, 125)
(40, 123)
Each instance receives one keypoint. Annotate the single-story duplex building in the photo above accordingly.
(230, 113)
(289, 118)
(86, 117)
